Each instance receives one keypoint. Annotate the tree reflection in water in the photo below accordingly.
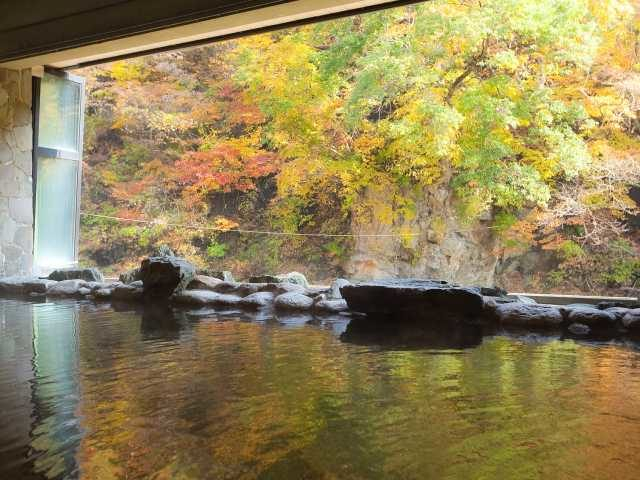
(162, 394)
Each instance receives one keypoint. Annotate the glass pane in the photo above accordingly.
(60, 114)
(56, 194)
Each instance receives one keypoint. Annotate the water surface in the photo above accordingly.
(89, 392)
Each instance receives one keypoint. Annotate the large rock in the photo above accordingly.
(526, 315)
(293, 301)
(409, 299)
(66, 288)
(593, 318)
(631, 321)
(86, 274)
(162, 276)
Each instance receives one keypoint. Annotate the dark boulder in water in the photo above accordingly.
(406, 299)
(527, 315)
(86, 274)
(162, 276)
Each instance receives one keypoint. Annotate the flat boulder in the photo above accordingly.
(293, 301)
(408, 299)
(162, 276)
(86, 274)
(66, 288)
(529, 315)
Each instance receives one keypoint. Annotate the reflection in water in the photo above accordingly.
(95, 394)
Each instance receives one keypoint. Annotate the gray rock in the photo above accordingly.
(257, 300)
(204, 297)
(293, 301)
(127, 293)
(66, 288)
(529, 315)
(224, 275)
(130, 276)
(410, 299)
(330, 306)
(280, 288)
(86, 274)
(579, 329)
(15, 284)
(592, 317)
(296, 278)
(195, 297)
(203, 282)
(103, 293)
(631, 321)
(84, 291)
(524, 299)
(162, 276)
(336, 285)
(39, 286)
(491, 291)
(618, 312)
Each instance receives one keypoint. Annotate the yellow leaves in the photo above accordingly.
(224, 224)
(367, 145)
(128, 70)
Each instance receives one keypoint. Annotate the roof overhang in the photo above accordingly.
(218, 28)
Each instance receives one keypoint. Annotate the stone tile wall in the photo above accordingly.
(16, 187)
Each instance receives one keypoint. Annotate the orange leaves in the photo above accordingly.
(229, 166)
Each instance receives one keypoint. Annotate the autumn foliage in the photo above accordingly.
(526, 111)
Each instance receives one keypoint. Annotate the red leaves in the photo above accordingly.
(227, 167)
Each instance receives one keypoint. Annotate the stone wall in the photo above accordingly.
(16, 188)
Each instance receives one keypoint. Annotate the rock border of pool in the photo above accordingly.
(432, 304)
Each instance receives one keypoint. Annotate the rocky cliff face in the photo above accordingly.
(443, 247)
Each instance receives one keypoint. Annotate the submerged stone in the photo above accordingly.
(86, 274)
(162, 276)
(406, 299)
